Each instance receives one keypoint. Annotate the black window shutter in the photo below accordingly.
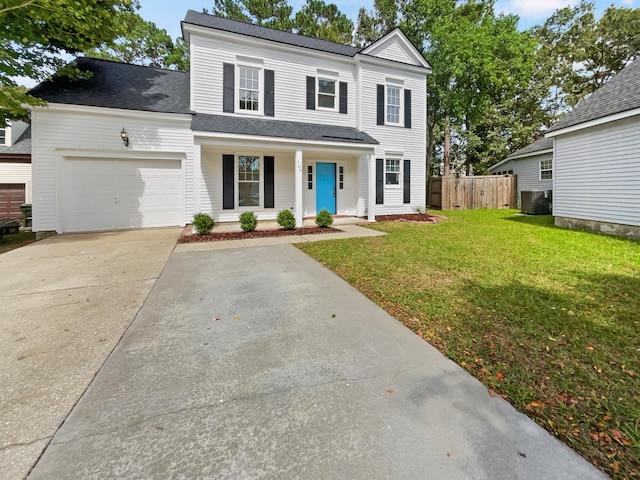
(380, 105)
(379, 181)
(344, 99)
(228, 175)
(269, 184)
(269, 101)
(228, 82)
(407, 109)
(407, 181)
(311, 93)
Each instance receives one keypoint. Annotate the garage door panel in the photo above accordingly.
(12, 195)
(116, 194)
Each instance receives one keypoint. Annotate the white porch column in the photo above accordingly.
(297, 211)
(197, 178)
(371, 214)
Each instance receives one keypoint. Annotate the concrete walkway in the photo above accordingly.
(260, 363)
(64, 304)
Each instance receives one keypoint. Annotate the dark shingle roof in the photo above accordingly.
(120, 85)
(537, 146)
(619, 94)
(22, 146)
(243, 28)
(279, 128)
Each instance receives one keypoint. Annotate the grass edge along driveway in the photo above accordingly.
(546, 317)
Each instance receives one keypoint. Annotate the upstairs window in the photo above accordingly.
(393, 104)
(3, 132)
(249, 89)
(392, 172)
(327, 94)
(546, 169)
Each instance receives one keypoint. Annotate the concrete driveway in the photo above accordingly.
(260, 363)
(64, 304)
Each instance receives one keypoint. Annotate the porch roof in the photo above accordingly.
(280, 129)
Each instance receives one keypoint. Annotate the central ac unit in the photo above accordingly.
(534, 203)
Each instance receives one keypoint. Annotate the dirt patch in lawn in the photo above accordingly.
(409, 217)
(188, 237)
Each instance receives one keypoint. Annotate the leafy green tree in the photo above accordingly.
(266, 13)
(373, 25)
(37, 35)
(143, 43)
(325, 21)
(580, 54)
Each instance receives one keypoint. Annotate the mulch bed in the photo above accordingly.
(193, 238)
(409, 217)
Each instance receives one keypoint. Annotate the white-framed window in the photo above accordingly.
(249, 181)
(327, 93)
(392, 171)
(546, 169)
(393, 104)
(249, 89)
(3, 132)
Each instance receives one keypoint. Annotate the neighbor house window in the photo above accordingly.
(393, 104)
(392, 172)
(248, 181)
(327, 93)
(3, 132)
(249, 89)
(546, 169)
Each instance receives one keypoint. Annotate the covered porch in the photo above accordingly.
(238, 172)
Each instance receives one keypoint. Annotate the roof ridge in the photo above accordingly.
(119, 62)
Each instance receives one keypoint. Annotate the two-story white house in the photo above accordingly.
(264, 121)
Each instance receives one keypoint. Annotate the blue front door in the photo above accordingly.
(326, 187)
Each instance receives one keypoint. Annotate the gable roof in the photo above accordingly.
(620, 94)
(539, 146)
(288, 38)
(265, 33)
(22, 146)
(120, 85)
(279, 128)
(398, 36)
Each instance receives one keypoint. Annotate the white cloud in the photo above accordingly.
(628, 3)
(536, 9)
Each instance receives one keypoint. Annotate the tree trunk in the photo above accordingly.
(447, 148)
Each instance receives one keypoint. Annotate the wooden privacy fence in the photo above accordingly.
(468, 193)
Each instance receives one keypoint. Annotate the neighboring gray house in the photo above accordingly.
(532, 164)
(15, 168)
(597, 159)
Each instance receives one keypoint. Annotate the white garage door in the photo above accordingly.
(101, 194)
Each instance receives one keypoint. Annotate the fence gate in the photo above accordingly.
(469, 193)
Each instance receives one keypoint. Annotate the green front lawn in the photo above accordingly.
(548, 318)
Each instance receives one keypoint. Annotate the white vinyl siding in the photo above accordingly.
(394, 51)
(97, 131)
(291, 70)
(211, 187)
(401, 143)
(19, 173)
(597, 173)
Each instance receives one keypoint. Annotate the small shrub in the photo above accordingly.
(286, 219)
(324, 218)
(248, 221)
(203, 223)
(420, 209)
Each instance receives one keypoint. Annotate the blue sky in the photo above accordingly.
(167, 14)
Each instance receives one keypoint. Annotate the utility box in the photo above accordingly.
(534, 202)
